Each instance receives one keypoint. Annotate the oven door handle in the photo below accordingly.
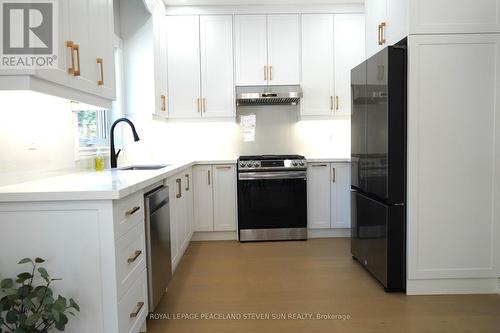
(273, 175)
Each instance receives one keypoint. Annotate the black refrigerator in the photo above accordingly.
(378, 165)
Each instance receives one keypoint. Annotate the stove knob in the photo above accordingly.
(301, 163)
(294, 163)
(255, 164)
(242, 164)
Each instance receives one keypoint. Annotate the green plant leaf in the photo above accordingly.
(39, 260)
(7, 283)
(24, 291)
(7, 292)
(11, 317)
(44, 274)
(60, 304)
(33, 319)
(19, 330)
(25, 261)
(61, 323)
(56, 315)
(74, 305)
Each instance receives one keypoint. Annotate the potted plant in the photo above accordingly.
(29, 308)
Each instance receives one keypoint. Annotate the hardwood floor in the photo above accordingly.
(316, 277)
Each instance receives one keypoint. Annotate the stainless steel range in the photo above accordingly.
(272, 198)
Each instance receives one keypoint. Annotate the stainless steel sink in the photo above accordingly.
(144, 167)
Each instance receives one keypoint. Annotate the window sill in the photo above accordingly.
(89, 153)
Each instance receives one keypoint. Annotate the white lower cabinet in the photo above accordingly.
(181, 212)
(328, 193)
(214, 197)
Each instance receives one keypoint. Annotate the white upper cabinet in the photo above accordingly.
(376, 17)
(317, 65)
(340, 195)
(85, 56)
(217, 85)
(451, 16)
(331, 46)
(283, 45)
(251, 49)
(224, 195)
(160, 58)
(349, 37)
(203, 198)
(267, 49)
(183, 59)
(318, 195)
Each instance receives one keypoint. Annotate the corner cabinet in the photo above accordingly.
(328, 187)
(86, 66)
(331, 46)
(267, 49)
(200, 66)
(215, 197)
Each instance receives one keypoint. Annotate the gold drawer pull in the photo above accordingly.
(337, 104)
(265, 73)
(75, 47)
(138, 309)
(179, 188)
(100, 62)
(223, 167)
(132, 211)
(163, 103)
(134, 256)
(270, 73)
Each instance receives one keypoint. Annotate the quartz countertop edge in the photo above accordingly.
(328, 160)
(104, 185)
(94, 186)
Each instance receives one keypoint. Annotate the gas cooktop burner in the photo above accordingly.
(271, 163)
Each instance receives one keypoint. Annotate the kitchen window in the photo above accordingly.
(92, 129)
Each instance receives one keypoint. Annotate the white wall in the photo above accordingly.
(277, 132)
(36, 136)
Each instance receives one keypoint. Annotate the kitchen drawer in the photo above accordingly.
(133, 308)
(128, 213)
(130, 258)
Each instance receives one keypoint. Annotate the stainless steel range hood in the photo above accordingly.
(268, 95)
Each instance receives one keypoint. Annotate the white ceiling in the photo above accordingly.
(256, 2)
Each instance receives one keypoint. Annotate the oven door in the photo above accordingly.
(275, 203)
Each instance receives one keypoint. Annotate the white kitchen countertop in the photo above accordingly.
(103, 185)
(328, 160)
(92, 185)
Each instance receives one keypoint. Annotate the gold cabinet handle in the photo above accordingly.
(270, 73)
(265, 73)
(381, 33)
(209, 181)
(178, 181)
(331, 103)
(76, 48)
(334, 176)
(132, 211)
(69, 45)
(336, 103)
(188, 185)
(134, 257)
(198, 103)
(163, 103)
(100, 62)
(137, 309)
(204, 107)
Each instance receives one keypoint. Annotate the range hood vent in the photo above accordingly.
(268, 95)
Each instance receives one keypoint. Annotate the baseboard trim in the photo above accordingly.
(329, 233)
(452, 286)
(214, 236)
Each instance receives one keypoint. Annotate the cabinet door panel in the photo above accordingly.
(450, 16)
(283, 45)
(174, 217)
(188, 193)
(251, 49)
(183, 61)
(376, 13)
(317, 64)
(340, 196)
(318, 196)
(203, 198)
(349, 32)
(216, 46)
(397, 20)
(102, 41)
(224, 197)
(160, 59)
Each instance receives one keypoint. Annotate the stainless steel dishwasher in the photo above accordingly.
(159, 260)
